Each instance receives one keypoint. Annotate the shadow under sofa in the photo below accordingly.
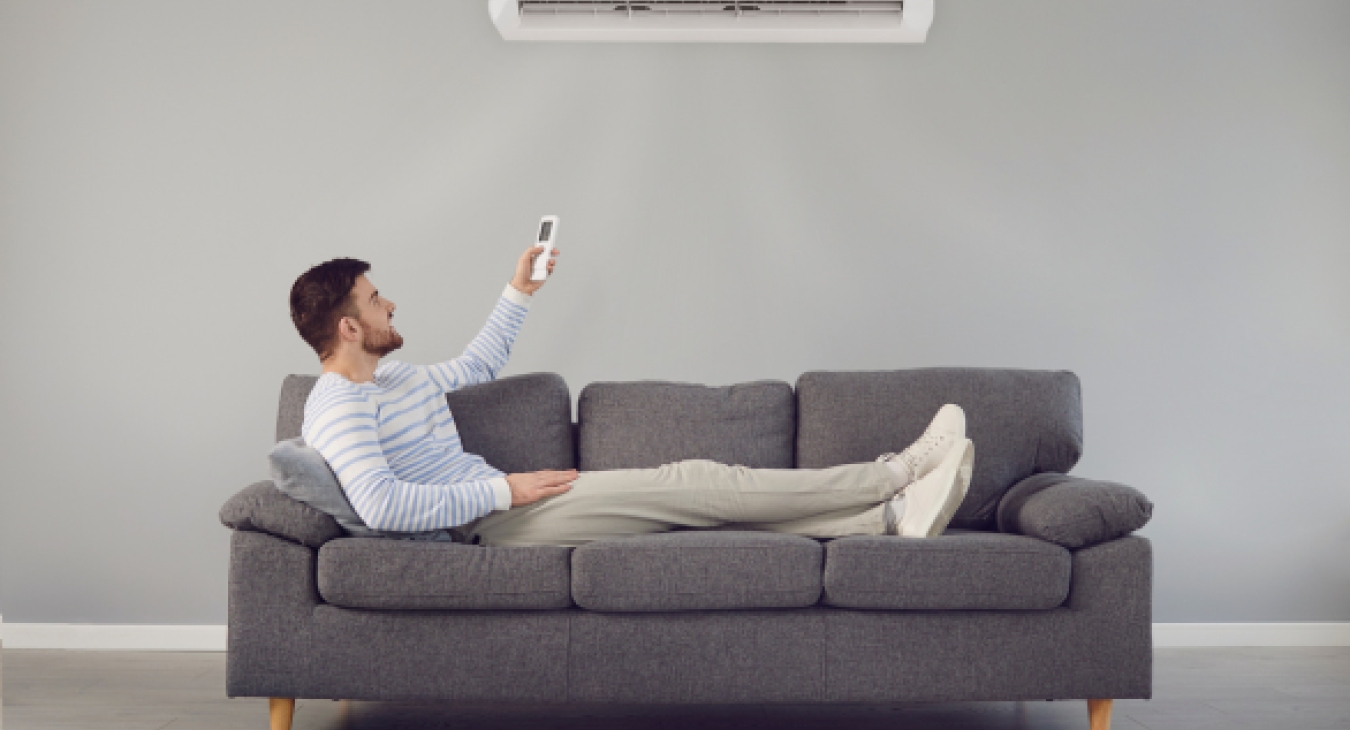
(990, 610)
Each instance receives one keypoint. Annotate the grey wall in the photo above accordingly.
(1152, 194)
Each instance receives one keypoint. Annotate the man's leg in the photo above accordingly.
(865, 520)
(697, 493)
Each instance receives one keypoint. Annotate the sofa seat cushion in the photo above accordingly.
(364, 572)
(959, 569)
(686, 570)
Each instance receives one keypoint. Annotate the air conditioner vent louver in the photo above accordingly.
(711, 7)
(800, 21)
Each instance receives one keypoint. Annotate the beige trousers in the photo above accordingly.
(824, 503)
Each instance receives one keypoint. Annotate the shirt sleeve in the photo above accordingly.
(346, 433)
(487, 354)
(502, 489)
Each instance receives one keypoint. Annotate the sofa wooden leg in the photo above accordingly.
(283, 709)
(1099, 714)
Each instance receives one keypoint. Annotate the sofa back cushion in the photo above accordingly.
(644, 424)
(1023, 422)
(517, 424)
(291, 410)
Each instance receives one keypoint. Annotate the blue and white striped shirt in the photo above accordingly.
(393, 443)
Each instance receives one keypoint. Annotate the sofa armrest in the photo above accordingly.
(1071, 511)
(261, 507)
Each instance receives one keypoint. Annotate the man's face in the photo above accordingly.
(377, 315)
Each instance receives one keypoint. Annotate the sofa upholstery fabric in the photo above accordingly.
(271, 605)
(957, 570)
(284, 641)
(1099, 644)
(405, 574)
(697, 570)
(517, 424)
(647, 424)
(446, 656)
(1072, 511)
(1022, 422)
(752, 655)
(260, 507)
(295, 391)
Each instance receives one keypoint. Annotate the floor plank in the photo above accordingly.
(1304, 688)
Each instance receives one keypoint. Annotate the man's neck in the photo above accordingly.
(358, 372)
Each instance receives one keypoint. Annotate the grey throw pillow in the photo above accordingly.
(1071, 511)
(301, 473)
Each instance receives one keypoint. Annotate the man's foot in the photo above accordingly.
(929, 503)
(914, 463)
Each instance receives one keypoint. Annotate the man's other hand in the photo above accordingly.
(525, 266)
(533, 486)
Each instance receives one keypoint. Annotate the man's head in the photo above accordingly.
(336, 308)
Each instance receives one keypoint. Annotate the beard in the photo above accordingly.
(380, 344)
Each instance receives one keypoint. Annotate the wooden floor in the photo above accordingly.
(1194, 689)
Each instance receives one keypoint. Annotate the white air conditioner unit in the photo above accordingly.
(781, 21)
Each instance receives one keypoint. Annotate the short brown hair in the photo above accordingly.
(321, 297)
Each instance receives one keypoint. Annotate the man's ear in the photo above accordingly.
(348, 325)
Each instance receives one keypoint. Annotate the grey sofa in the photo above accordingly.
(731, 614)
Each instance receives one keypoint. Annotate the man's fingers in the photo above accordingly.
(550, 478)
(554, 488)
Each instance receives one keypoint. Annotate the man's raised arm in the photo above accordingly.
(487, 354)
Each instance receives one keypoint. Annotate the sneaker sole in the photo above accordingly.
(957, 495)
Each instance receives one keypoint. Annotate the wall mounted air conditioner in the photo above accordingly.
(783, 21)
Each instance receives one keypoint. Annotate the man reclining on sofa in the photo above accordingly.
(387, 433)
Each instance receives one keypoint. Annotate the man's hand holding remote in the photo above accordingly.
(533, 486)
(525, 265)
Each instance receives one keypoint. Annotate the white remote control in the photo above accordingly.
(548, 235)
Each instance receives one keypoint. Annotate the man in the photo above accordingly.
(386, 431)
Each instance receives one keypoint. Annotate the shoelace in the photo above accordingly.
(926, 443)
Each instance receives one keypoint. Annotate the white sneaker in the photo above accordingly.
(930, 502)
(947, 428)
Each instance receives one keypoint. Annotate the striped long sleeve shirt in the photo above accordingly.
(393, 443)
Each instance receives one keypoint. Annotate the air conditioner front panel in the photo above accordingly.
(841, 21)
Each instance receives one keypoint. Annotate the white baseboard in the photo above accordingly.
(148, 637)
(1303, 633)
(128, 637)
